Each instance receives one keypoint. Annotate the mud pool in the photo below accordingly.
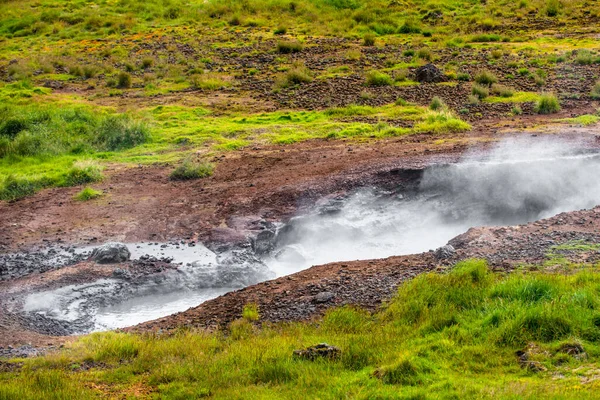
(517, 182)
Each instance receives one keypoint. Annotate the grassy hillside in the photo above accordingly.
(468, 333)
(157, 81)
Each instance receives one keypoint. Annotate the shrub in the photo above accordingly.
(547, 104)
(486, 78)
(87, 194)
(376, 78)
(235, 20)
(75, 70)
(289, 47)
(496, 54)
(123, 80)
(539, 80)
(401, 102)
(120, 132)
(480, 91)
(463, 76)
(369, 39)
(280, 30)
(437, 104)
(595, 93)
(483, 38)
(408, 53)
(502, 91)
(192, 170)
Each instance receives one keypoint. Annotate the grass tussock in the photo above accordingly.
(376, 78)
(87, 194)
(289, 47)
(299, 74)
(547, 104)
(486, 78)
(443, 335)
(189, 170)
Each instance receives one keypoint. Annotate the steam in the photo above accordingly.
(518, 181)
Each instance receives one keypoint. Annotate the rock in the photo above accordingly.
(323, 297)
(429, 73)
(111, 253)
(322, 350)
(572, 349)
(122, 273)
(445, 252)
(264, 242)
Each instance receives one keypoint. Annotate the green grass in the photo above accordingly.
(517, 97)
(87, 194)
(583, 120)
(40, 144)
(376, 78)
(448, 335)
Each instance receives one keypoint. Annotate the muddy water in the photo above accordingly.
(515, 183)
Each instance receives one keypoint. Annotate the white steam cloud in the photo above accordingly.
(519, 180)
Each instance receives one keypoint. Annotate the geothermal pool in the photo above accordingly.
(517, 181)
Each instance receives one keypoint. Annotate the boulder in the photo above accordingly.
(429, 73)
(322, 350)
(445, 252)
(111, 253)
